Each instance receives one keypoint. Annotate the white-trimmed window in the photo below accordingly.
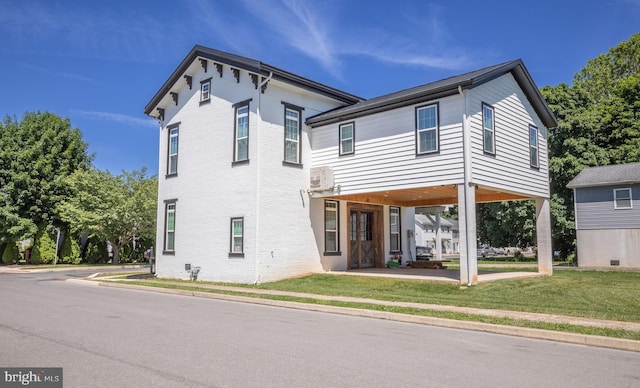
(169, 226)
(331, 223)
(534, 156)
(205, 90)
(488, 129)
(622, 198)
(427, 132)
(292, 134)
(237, 236)
(241, 133)
(347, 137)
(394, 224)
(172, 151)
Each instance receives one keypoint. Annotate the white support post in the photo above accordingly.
(543, 236)
(467, 223)
(438, 236)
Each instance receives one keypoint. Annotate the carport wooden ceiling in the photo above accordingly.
(427, 196)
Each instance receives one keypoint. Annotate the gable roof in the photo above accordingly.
(443, 88)
(250, 65)
(615, 174)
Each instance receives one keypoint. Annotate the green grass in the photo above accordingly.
(615, 333)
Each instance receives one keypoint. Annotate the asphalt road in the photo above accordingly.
(109, 337)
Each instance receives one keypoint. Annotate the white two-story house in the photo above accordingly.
(265, 174)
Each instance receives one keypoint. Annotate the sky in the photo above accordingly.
(98, 63)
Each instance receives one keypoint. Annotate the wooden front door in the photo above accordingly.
(365, 236)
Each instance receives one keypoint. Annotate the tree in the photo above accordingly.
(36, 154)
(117, 209)
(506, 223)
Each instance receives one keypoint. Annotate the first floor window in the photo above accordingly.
(237, 235)
(331, 226)
(241, 142)
(172, 157)
(347, 136)
(394, 223)
(291, 135)
(427, 128)
(622, 198)
(170, 227)
(534, 157)
(488, 129)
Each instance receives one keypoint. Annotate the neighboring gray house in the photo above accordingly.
(607, 208)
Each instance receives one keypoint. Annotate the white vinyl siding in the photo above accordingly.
(386, 151)
(347, 138)
(622, 198)
(427, 129)
(510, 168)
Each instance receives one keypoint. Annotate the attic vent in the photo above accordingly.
(321, 179)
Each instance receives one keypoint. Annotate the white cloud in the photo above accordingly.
(116, 117)
(61, 74)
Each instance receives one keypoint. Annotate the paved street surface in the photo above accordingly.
(110, 337)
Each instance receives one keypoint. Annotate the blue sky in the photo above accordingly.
(99, 62)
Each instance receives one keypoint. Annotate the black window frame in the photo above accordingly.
(436, 105)
(537, 147)
(337, 230)
(167, 203)
(233, 253)
(493, 133)
(298, 110)
(170, 129)
(353, 138)
(236, 107)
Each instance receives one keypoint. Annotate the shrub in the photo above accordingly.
(10, 253)
(44, 249)
(70, 251)
(518, 256)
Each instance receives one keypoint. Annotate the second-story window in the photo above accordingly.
(292, 134)
(488, 129)
(534, 156)
(172, 154)
(241, 135)
(205, 90)
(427, 132)
(347, 138)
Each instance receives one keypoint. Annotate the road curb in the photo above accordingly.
(558, 336)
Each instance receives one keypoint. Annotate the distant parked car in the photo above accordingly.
(486, 252)
(424, 253)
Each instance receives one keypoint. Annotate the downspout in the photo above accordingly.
(258, 174)
(467, 177)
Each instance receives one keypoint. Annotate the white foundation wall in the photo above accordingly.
(209, 190)
(596, 248)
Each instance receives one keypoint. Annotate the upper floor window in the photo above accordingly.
(347, 137)
(172, 151)
(241, 135)
(427, 132)
(534, 157)
(488, 129)
(331, 243)
(394, 223)
(169, 226)
(205, 90)
(622, 198)
(237, 236)
(292, 133)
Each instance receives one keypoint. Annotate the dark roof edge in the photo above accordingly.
(516, 67)
(601, 184)
(250, 65)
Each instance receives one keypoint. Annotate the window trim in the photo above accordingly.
(170, 129)
(336, 231)
(615, 198)
(203, 83)
(493, 129)
(297, 110)
(233, 253)
(353, 138)
(418, 130)
(236, 108)
(537, 147)
(167, 204)
(398, 233)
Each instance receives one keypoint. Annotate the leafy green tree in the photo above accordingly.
(506, 223)
(117, 209)
(36, 154)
